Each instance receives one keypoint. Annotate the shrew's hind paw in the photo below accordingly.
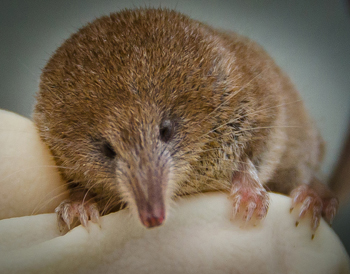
(316, 201)
(309, 201)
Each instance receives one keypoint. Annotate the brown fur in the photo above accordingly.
(117, 79)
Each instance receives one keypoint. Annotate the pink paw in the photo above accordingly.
(68, 210)
(249, 201)
(310, 201)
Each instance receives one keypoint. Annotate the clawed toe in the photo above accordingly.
(311, 202)
(68, 210)
(249, 197)
(249, 203)
(330, 209)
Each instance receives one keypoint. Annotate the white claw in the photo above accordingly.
(83, 217)
(315, 222)
(237, 203)
(304, 208)
(331, 210)
(250, 211)
(66, 219)
(94, 214)
(61, 223)
(66, 214)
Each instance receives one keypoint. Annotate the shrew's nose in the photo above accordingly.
(152, 218)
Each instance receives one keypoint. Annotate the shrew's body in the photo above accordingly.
(146, 104)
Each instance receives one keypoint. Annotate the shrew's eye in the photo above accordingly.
(166, 130)
(108, 150)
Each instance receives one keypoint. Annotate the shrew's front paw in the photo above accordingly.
(249, 197)
(69, 209)
(249, 201)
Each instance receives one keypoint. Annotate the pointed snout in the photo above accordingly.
(146, 176)
(150, 201)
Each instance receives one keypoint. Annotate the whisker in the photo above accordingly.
(268, 127)
(107, 204)
(88, 190)
(26, 169)
(234, 94)
(42, 204)
(276, 106)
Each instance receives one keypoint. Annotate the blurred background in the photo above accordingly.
(309, 39)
